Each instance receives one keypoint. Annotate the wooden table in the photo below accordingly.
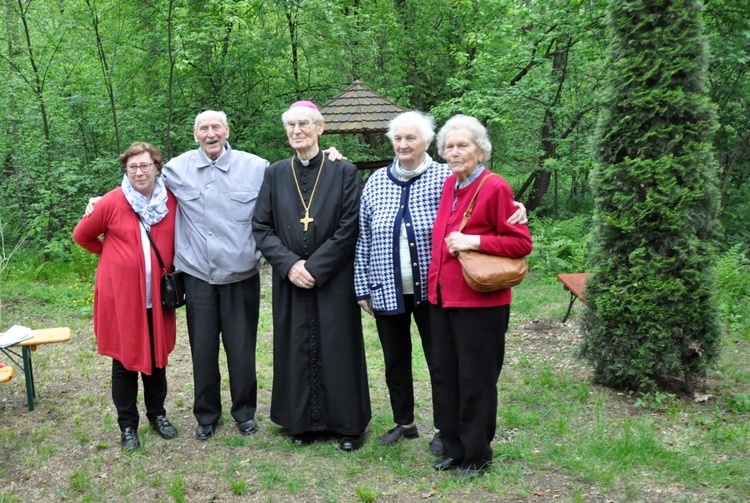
(38, 337)
(575, 284)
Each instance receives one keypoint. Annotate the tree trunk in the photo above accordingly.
(170, 81)
(291, 19)
(543, 176)
(106, 73)
(37, 85)
(10, 29)
(547, 133)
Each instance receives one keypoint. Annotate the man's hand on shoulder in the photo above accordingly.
(334, 154)
(90, 206)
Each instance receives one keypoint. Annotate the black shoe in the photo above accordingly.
(349, 444)
(436, 444)
(205, 431)
(248, 427)
(129, 439)
(471, 473)
(163, 427)
(446, 463)
(303, 439)
(397, 433)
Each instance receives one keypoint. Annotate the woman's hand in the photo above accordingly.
(366, 305)
(519, 217)
(458, 241)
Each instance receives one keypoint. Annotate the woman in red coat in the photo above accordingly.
(468, 327)
(130, 324)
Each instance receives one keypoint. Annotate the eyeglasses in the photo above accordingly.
(133, 168)
(293, 124)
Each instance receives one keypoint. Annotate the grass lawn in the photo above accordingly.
(559, 437)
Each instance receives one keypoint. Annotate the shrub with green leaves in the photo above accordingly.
(653, 323)
(560, 245)
(733, 288)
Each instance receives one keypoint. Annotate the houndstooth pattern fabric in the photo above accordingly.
(387, 201)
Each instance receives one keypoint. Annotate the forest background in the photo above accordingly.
(82, 79)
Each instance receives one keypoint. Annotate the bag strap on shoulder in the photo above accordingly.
(469, 210)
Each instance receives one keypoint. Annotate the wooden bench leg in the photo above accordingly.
(570, 306)
(28, 372)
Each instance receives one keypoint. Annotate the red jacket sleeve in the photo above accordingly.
(510, 240)
(89, 230)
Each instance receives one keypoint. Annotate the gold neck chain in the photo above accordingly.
(306, 220)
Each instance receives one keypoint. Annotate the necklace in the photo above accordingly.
(306, 220)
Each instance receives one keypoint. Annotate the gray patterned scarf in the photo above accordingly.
(405, 175)
(151, 211)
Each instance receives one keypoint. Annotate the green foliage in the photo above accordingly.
(652, 321)
(739, 403)
(560, 246)
(107, 73)
(366, 494)
(657, 400)
(83, 262)
(728, 27)
(733, 288)
(79, 480)
(238, 486)
(735, 217)
(176, 489)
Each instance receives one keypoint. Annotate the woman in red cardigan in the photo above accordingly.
(469, 327)
(130, 324)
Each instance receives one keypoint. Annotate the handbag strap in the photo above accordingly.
(153, 245)
(468, 211)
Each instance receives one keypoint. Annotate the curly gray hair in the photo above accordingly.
(478, 134)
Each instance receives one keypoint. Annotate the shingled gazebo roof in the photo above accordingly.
(358, 110)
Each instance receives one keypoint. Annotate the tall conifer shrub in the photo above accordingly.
(652, 323)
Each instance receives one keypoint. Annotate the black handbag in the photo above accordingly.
(172, 290)
(172, 284)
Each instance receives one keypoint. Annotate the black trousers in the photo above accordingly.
(125, 389)
(394, 331)
(232, 311)
(468, 348)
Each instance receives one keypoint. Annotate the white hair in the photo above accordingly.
(317, 116)
(222, 117)
(424, 122)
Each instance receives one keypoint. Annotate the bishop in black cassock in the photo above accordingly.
(306, 225)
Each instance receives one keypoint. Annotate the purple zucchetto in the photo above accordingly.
(303, 103)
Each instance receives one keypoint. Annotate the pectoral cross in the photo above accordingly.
(306, 220)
